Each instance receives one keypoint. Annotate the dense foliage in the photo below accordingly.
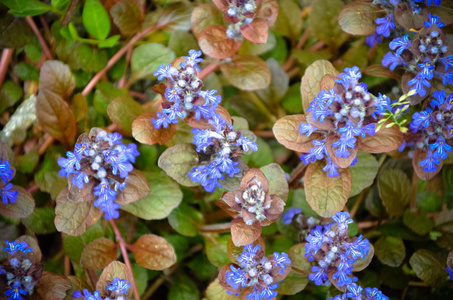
(226, 149)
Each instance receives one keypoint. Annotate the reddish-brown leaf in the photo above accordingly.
(286, 131)
(247, 72)
(256, 31)
(268, 10)
(99, 254)
(326, 195)
(24, 205)
(51, 287)
(144, 132)
(380, 71)
(74, 218)
(311, 81)
(234, 251)
(114, 269)
(56, 77)
(244, 234)
(384, 140)
(204, 123)
(214, 42)
(36, 255)
(136, 188)
(205, 15)
(223, 281)
(358, 18)
(342, 162)
(327, 82)
(153, 252)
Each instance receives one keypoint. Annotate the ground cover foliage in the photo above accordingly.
(226, 149)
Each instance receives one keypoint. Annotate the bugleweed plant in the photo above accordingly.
(226, 149)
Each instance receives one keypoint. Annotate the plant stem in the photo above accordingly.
(290, 62)
(38, 34)
(112, 61)
(208, 70)
(413, 203)
(223, 227)
(120, 239)
(47, 142)
(7, 54)
(357, 203)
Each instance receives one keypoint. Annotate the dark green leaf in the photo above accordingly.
(183, 288)
(292, 284)
(147, 58)
(429, 267)
(289, 20)
(181, 42)
(74, 245)
(177, 161)
(278, 185)
(26, 7)
(299, 262)
(216, 249)
(363, 172)
(390, 250)
(10, 93)
(394, 189)
(418, 221)
(14, 32)
(185, 220)
(41, 221)
(279, 84)
(26, 71)
(324, 24)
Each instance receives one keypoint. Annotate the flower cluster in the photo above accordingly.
(103, 161)
(251, 204)
(355, 292)
(257, 271)
(302, 223)
(245, 16)
(334, 251)
(432, 131)
(222, 146)
(426, 56)
(386, 24)
(19, 277)
(183, 92)
(6, 191)
(340, 116)
(116, 290)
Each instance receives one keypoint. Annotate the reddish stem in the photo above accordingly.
(224, 227)
(208, 70)
(38, 34)
(33, 188)
(7, 54)
(122, 81)
(120, 239)
(290, 62)
(112, 61)
(47, 142)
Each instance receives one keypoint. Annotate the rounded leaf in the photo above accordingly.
(145, 132)
(177, 161)
(114, 269)
(153, 252)
(52, 287)
(358, 18)
(286, 131)
(247, 72)
(243, 234)
(136, 188)
(23, 207)
(205, 15)
(326, 195)
(214, 42)
(363, 172)
(385, 140)
(390, 250)
(99, 254)
(299, 262)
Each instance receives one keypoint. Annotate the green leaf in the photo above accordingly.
(110, 42)
(279, 84)
(429, 267)
(50, 182)
(183, 288)
(95, 19)
(418, 221)
(355, 56)
(141, 277)
(324, 24)
(126, 15)
(292, 284)
(247, 72)
(259, 158)
(358, 18)
(26, 71)
(216, 249)
(74, 245)
(289, 20)
(122, 111)
(99, 253)
(394, 189)
(148, 57)
(216, 292)
(26, 7)
(363, 172)
(205, 15)
(249, 48)
(91, 59)
(326, 195)
(164, 196)
(59, 3)
(278, 185)
(41, 221)
(292, 102)
(21, 208)
(177, 161)
(299, 262)
(185, 220)
(10, 93)
(202, 267)
(181, 42)
(153, 252)
(390, 250)
(14, 32)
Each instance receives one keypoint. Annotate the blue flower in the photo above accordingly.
(119, 285)
(15, 292)
(400, 44)
(430, 162)
(392, 60)
(373, 39)
(441, 148)
(6, 172)
(385, 24)
(281, 260)
(433, 20)
(419, 82)
(14, 246)
(289, 215)
(427, 69)
(87, 295)
(318, 275)
(105, 199)
(162, 72)
(343, 144)
(8, 194)
(450, 272)
(342, 219)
